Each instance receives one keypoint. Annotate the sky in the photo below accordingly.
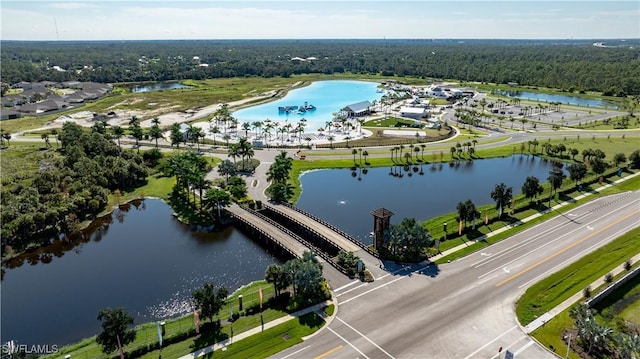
(326, 19)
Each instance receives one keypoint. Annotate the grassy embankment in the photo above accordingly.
(556, 288)
(269, 342)
(523, 209)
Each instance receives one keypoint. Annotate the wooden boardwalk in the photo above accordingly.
(297, 231)
(338, 239)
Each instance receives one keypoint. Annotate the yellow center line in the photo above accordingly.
(566, 248)
(328, 352)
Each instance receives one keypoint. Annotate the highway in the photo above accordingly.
(465, 309)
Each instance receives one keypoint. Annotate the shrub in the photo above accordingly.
(587, 292)
(608, 278)
(627, 265)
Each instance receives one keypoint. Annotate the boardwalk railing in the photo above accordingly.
(306, 227)
(332, 227)
(265, 235)
(312, 247)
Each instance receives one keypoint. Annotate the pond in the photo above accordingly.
(159, 86)
(328, 97)
(141, 259)
(337, 197)
(564, 99)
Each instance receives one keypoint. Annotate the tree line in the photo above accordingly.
(70, 185)
(573, 66)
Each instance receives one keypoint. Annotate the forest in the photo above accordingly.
(67, 187)
(567, 65)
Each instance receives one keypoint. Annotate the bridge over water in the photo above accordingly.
(292, 231)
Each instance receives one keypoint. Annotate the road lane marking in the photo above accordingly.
(489, 343)
(346, 341)
(383, 285)
(362, 335)
(580, 255)
(370, 290)
(541, 246)
(296, 352)
(517, 352)
(546, 231)
(347, 285)
(328, 352)
(566, 248)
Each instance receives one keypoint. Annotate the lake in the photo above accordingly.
(564, 99)
(328, 97)
(159, 86)
(337, 197)
(142, 259)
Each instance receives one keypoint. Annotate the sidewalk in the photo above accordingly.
(256, 330)
(540, 321)
(532, 326)
(532, 217)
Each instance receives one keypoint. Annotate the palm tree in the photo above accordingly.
(234, 151)
(176, 135)
(502, 195)
(45, 137)
(54, 133)
(354, 152)
(197, 135)
(555, 178)
(531, 188)
(422, 147)
(218, 199)
(416, 149)
(155, 132)
(246, 126)
(453, 151)
(226, 168)
(392, 150)
(245, 150)
(331, 141)
(214, 130)
(365, 154)
(226, 137)
(257, 125)
(117, 133)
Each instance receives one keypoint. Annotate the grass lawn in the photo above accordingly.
(146, 334)
(621, 304)
(261, 345)
(553, 290)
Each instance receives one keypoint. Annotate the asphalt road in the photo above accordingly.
(465, 309)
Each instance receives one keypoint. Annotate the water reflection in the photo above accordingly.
(410, 191)
(139, 257)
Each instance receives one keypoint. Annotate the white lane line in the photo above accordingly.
(371, 290)
(362, 335)
(368, 284)
(382, 285)
(344, 340)
(352, 289)
(530, 343)
(506, 251)
(542, 246)
(347, 285)
(491, 342)
(296, 352)
(580, 255)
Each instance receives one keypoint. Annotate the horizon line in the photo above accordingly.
(342, 39)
